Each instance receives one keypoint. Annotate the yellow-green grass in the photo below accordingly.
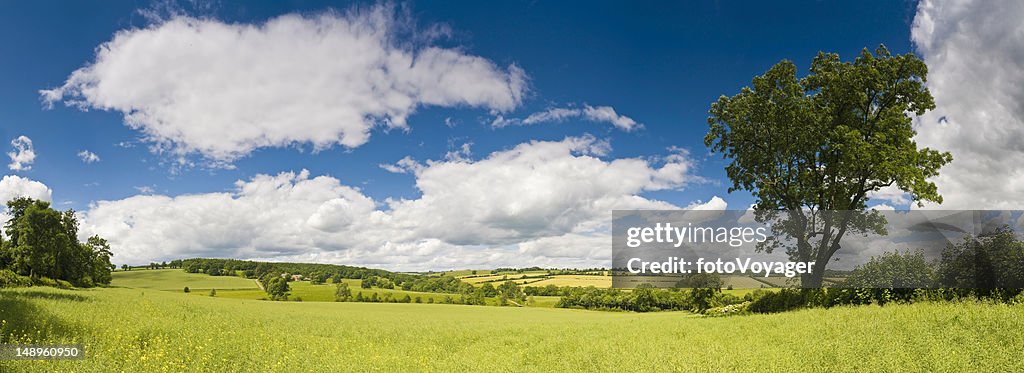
(325, 293)
(143, 330)
(480, 280)
(543, 301)
(240, 288)
(576, 280)
(177, 280)
(467, 272)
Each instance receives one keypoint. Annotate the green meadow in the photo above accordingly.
(132, 329)
(177, 280)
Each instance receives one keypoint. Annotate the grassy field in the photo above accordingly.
(239, 288)
(176, 280)
(576, 280)
(325, 293)
(145, 330)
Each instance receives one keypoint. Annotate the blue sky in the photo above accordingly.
(661, 65)
(203, 118)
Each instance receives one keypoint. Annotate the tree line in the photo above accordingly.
(42, 247)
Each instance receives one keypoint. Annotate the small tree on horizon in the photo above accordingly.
(342, 293)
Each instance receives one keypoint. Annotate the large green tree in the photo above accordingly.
(812, 149)
(44, 243)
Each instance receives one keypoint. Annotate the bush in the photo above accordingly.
(779, 301)
(46, 281)
(187, 290)
(893, 271)
(729, 310)
(704, 298)
(63, 284)
(342, 292)
(9, 279)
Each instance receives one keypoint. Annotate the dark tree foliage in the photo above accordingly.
(804, 147)
(44, 244)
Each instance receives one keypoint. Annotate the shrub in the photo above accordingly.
(893, 271)
(782, 300)
(9, 279)
(63, 284)
(342, 292)
(187, 290)
(703, 298)
(729, 310)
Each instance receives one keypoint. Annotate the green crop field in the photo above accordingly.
(145, 330)
(239, 288)
(325, 293)
(176, 280)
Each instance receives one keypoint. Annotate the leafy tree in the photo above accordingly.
(44, 243)
(277, 288)
(342, 292)
(187, 290)
(995, 260)
(510, 291)
(805, 147)
(213, 292)
(489, 290)
(893, 271)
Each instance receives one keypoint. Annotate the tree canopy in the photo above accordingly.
(806, 147)
(44, 243)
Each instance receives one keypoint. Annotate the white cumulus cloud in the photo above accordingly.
(23, 154)
(14, 186)
(222, 90)
(975, 56)
(511, 207)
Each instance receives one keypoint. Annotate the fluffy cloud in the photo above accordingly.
(542, 202)
(88, 156)
(599, 114)
(224, 89)
(23, 154)
(716, 203)
(975, 55)
(265, 216)
(13, 186)
(533, 190)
